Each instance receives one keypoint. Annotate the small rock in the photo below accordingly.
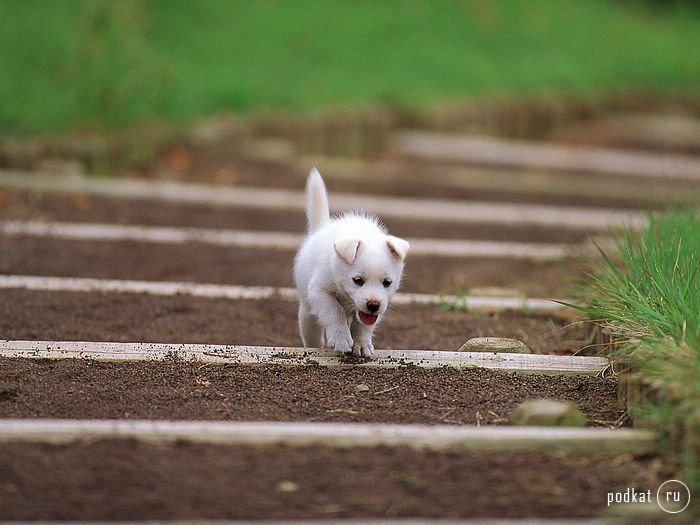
(495, 344)
(547, 412)
(362, 388)
(287, 486)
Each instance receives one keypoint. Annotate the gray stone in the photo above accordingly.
(547, 412)
(362, 388)
(495, 344)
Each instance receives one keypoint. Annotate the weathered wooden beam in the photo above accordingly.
(280, 355)
(461, 176)
(236, 292)
(531, 155)
(277, 240)
(345, 435)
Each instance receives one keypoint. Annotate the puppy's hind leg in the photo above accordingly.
(310, 329)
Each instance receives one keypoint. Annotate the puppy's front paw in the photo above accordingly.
(363, 349)
(340, 341)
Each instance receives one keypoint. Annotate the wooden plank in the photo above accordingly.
(281, 355)
(473, 303)
(532, 155)
(343, 435)
(80, 284)
(235, 292)
(538, 182)
(151, 234)
(276, 240)
(454, 211)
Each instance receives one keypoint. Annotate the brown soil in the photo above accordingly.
(264, 267)
(39, 315)
(129, 480)
(20, 205)
(75, 388)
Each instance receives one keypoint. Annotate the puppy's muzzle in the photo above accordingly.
(369, 317)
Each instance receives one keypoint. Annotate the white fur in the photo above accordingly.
(336, 251)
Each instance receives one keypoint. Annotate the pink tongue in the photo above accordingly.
(367, 318)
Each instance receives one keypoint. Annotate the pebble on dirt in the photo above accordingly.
(287, 486)
(547, 412)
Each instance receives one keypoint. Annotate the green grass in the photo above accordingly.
(648, 296)
(653, 292)
(114, 63)
(459, 302)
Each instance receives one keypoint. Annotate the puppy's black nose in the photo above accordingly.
(373, 306)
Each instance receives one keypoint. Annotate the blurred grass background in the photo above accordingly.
(103, 64)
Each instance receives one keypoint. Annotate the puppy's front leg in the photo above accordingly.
(309, 328)
(362, 337)
(332, 317)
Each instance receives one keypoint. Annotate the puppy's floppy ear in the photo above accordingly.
(397, 247)
(346, 248)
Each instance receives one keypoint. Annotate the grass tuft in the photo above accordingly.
(650, 289)
(457, 302)
(647, 295)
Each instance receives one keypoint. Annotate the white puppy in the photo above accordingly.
(346, 271)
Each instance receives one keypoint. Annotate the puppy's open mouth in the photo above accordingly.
(367, 318)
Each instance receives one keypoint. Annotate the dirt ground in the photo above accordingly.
(265, 267)
(22, 205)
(248, 266)
(385, 175)
(179, 319)
(129, 480)
(83, 389)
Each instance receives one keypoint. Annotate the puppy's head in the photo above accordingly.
(368, 270)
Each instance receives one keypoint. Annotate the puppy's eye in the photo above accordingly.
(359, 281)
(386, 283)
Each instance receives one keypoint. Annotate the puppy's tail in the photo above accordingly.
(317, 213)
